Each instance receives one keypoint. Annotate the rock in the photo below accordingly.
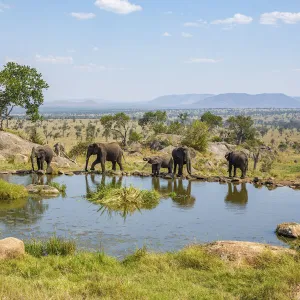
(279, 185)
(135, 154)
(21, 159)
(60, 172)
(290, 230)
(40, 172)
(69, 173)
(167, 150)
(43, 190)
(256, 179)
(2, 158)
(220, 149)
(115, 173)
(168, 176)
(62, 162)
(243, 252)
(135, 147)
(11, 248)
(156, 145)
(236, 180)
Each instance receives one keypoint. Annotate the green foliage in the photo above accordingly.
(216, 139)
(159, 128)
(183, 117)
(150, 118)
(90, 132)
(242, 129)
(53, 246)
(117, 125)
(9, 191)
(134, 136)
(62, 188)
(35, 136)
(266, 164)
(20, 86)
(116, 198)
(211, 120)
(197, 136)
(282, 146)
(175, 128)
(19, 133)
(79, 149)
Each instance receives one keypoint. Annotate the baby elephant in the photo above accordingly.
(158, 162)
(237, 159)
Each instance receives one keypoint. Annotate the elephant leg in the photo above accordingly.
(234, 171)
(243, 173)
(175, 168)
(120, 165)
(38, 163)
(103, 166)
(114, 166)
(42, 163)
(94, 164)
(180, 169)
(153, 170)
(158, 169)
(230, 170)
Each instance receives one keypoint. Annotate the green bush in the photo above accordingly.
(53, 246)
(197, 136)
(60, 187)
(79, 149)
(134, 137)
(9, 191)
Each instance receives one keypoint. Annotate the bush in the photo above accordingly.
(9, 191)
(60, 187)
(134, 137)
(79, 149)
(216, 139)
(54, 246)
(197, 136)
(175, 128)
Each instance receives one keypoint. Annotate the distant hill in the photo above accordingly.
(248, 101)
(173, 101)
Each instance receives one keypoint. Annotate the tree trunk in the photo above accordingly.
(256, 158)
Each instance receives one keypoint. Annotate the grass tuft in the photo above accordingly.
(62, 188)
(9, 191)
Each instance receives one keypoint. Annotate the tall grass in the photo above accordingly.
(53, 246)
(9, 191)
(62, 188)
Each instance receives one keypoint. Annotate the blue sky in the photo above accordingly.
(139, 49)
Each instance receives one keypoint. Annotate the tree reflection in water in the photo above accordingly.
(235, 197)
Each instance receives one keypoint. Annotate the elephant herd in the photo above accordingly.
(112, 152)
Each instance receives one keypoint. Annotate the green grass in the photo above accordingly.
(115, 198)
(188, 274)
(62, 188)
(53, 246)
(9, 191)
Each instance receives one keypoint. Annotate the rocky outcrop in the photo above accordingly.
(290, 230)
(11, 248)
(220, 149)
(21, 159)
(42, 190)
(243, 252)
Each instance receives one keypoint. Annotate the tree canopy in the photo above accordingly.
(211, 120)
(20, 86)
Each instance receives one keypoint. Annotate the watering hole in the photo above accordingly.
(197, 212)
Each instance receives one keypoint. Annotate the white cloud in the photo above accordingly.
(273, 17)
(50, 59)
(122, 7)
(3, 6)
(83, 16)
(166, 34)
(236, 19)
(168, 12)
(194, 60)
(186, 35)
(95, 48)
(199, 23)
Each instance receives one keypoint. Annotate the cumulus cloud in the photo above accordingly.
(273, 17)
(83, 16)
(51, 59)
(194, 60)
(186, 35)
(236, 19)
(166, 34)
(122, 7)
(199, 23)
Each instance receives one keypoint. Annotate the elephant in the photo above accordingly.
(237, 197)
(181, 156)
(59, 149)
(237, 159)
(42, 154)
(105, 152)
(158, 162)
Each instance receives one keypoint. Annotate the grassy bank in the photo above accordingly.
(189, 274)
(9, 191)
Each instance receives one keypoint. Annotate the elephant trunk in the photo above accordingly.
(188, 166)
(32, 158)
(87, 161)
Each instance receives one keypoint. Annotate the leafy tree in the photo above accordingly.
(242, 129)
(117, 125)
(197, 136)
(134, 136)
(212, 120)
(20, 86)
(183, 117)
(151, 118)
(64, 128)
(90, 132)
(175, 128)
(78, 131)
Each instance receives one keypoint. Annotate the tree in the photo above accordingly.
(151, 118)
(211, 120)
(242, 129)
(183, 117)
(175, 127)
(20, 86)
(118, 125)
(90, 132)
(196, 136)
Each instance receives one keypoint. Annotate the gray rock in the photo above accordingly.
(290, 230)
(21, 159)
(11, 248)
(43, 190)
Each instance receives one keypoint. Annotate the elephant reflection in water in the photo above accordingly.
(41, 179)
(235, 196)
(181, 195)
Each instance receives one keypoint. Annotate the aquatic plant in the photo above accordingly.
(62, 188)
(114, 197)
(53, 246)
(10, 191)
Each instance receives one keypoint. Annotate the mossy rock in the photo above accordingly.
(42, 190)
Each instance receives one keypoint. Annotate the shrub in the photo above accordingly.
(175, 128)
(134, 137)
(79, 149)
(196, 136)
(216, 139)
(20, 134)
(60, 187)
(54, 246)
(9, 191)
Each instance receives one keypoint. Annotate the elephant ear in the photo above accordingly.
(156, 160)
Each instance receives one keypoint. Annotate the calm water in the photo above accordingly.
(201, 212)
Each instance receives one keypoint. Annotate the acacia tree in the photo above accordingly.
(211, 120)
(20, 86)
(154, 121)
(118, 125)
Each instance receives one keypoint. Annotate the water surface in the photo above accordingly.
(200, 212)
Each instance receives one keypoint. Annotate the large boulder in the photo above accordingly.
(62, 162)
(220, 149)
(244, 252)
(21, 159)
(290, 230)
(11, 248)
(2, 158)
(42, 190)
